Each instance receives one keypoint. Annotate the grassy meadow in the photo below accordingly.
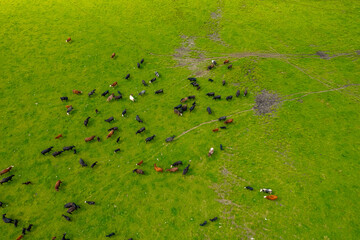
(306, 150)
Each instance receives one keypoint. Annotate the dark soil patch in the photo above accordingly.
(322, 55)
(266, 102)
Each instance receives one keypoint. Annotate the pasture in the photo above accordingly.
(299, 59)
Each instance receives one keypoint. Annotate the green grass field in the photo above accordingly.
(306, 150)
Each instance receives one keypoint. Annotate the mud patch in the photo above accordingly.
(358, 52)
(266, 102)
(322, 55)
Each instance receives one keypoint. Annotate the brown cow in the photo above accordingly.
(114, 84)
(175, 169)
(177, 112)
(89, 139)
(110, 133)
(58, 136)
(6, 170)
(211, 67)
(226, 61)
(77, 91)
(67, 106)
(271, 197)
(139, 163)
(113, 55)
(20, 237)
(184, 99)
(68, 40)
(57, 185)
(157, 168)
(229, 121)
(215, 130)
(138, 171)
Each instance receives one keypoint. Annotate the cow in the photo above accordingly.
(110, 235)
(191, 97)
(229, 121)
(110, 97)
(19, 237)
(213, 62)
(152, 80)
(210, 80)
(139, 163)
(245, 92)
(138, 119)
(7, 220)
(142, 92)
(211, 94)
(67, 106)
(149, 138)
(1, 204)
(105, 93)
(230, 66)
(27, 183)
(203, 224)
(6, 170)
(217, 97)
(90, 202)
(192, 79)
(98, 139)
(210, 66)
(68, 148)
(74, 151)
(68, 40)
(86, 121)
(117, 140)
(223, 82)
(16, 222)
(170, 139)
(70, 204)
(131, 97)
(159, 91)
(271, 197)
(195, 84)
(24, 231)
(184, 99)
(178, 106)
(215, 130)
(229, 98)
(82, 163)
(110, 134)
(158, 169)
(110, 119)
(175, 169)
(127, 76)
(63, 238)
(140, 130)
(177, 163)
(211, 152)
(184, 107)
(91, 93)
(96, 111)
(223, 127)
(123, 112)
(209, 110)
(89, 139)
(249, 188)
(57, 185)
(69, 110)
(226, 61)
(113, 128)
(186, 170)
(64, 98)
(77, 92)
(222, 118)
(113, 55)
(138, 171)
(138, 65)
(66, 217)
(177, 112)
(213, 219)
(71, 209)
(43, 152)
(116, 150)
(113, 84)
(57, 153)
(221, 147)
(192, 108)
(58, 136)
(144, 83)
(237, 93)
(157, 74)
(142, 61)
(118, 97)
(93, 165)
(266, 190)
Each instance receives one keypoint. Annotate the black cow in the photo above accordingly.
(117, 140)
(210, 94)
(194, 103)
(249, 188)
(192, 108)
(7, 220)
(92, 92)
(245, 92)
(209, 110)
(64, 98)
(223, 127)
(169, 139)
(29, 228)
(140, 130)
(57, 153)
(71, 204)
(176, 164)
(98, 139)
(110, 235)
(149, 138)
(144, 83)
(82, 163)
(157, 74)
(68, 148)
(178, 106)
(93, 165)
(186, 170)
(195, 84)
(217, 97)
(138, 119)
(222, 118)
(198, 88)
(96, 111)
(16, 222)
(74, 151)
(113, 128)
(210, 80)
(105, 93)
(23, 231)
(213, 62)
(213, 219)
(109, 119)
(1, 204)
(159, 91)
(119, 96)
(90, 202)
(230, 66)
(7, 179)
(86, 121)
(66, 217)
(184, 107)
(46, 150)
(142, 61)
(123, 112)
(127, 76)
(223, 82)
(237, 93)
(191, 97)
(192, 79)
(63, 238)
(229, 98)
(152, 80)
(138, 65)
(203, 224)
(116, 150)
(221, 147)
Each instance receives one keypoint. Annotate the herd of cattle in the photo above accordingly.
(179, 110)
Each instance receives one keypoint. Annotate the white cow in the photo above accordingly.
(132, 98)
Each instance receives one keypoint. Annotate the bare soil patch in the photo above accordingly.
(266, 102)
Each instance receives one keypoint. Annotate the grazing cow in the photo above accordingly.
(139, 163)
(138, 119)
(123, 112)
(117, 140)
(192, 79)
(192, 108)
(1, 204)
(144, 83)
(142, 61)
(57, 185)
(152, 80)
(113, 85)
(58, 136)
(184, 99)
(210, 66)
(203, 224)
(113, 128)
(213, 219)
(93, 165)
(237, 93)
(77, 91)
(118, 97)
(266, 190)
(64, 98)
(198, 88)
(178, 106)
(159, 91)
(209, 110)
(138, 171)
(140, 130)
(105, 93)
(184, 107)
(16, 222)
(211, 152)
(90, 202)
(7, 179)
(149, 138)
(69, 110)
(7, 220)
(70, 204)
(249, 188)
(57, 153)
(98, 139)
(66, 217)
(271, 197)
(138, 65)
(82, 163)
(127, 76)
(175, 169)
(91, 93)
(195, 84)
(67, 106)
(157, 168)
(223, 82)
(226, 61)
(191, 97)
(53, 238)
(96, 111)
(223, 127)
(177, 163)
(89, 139)
(68, 40)
(230, 66)
(217, 97)
(245, 92)
(229, 121)
(6, 170)
(110, 235)
(74, 151)
(29, 228)
(177, 112)
(215, 130)
(109, 119)
(110, 97)
(43, 152)
(116, 150)
(19, 237)
(222, 118)
(229, 98)
(210, 80)
(210, 94)
(86, 121)
(23, 231)
(132, 98)
(142, 92)
(221, 147)
(63, 238)
(71, 209)
(68, 148)
(113, 55)
(110, 133)
(157, 74)
(186, 170)
(170, 139)
(27, 183)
